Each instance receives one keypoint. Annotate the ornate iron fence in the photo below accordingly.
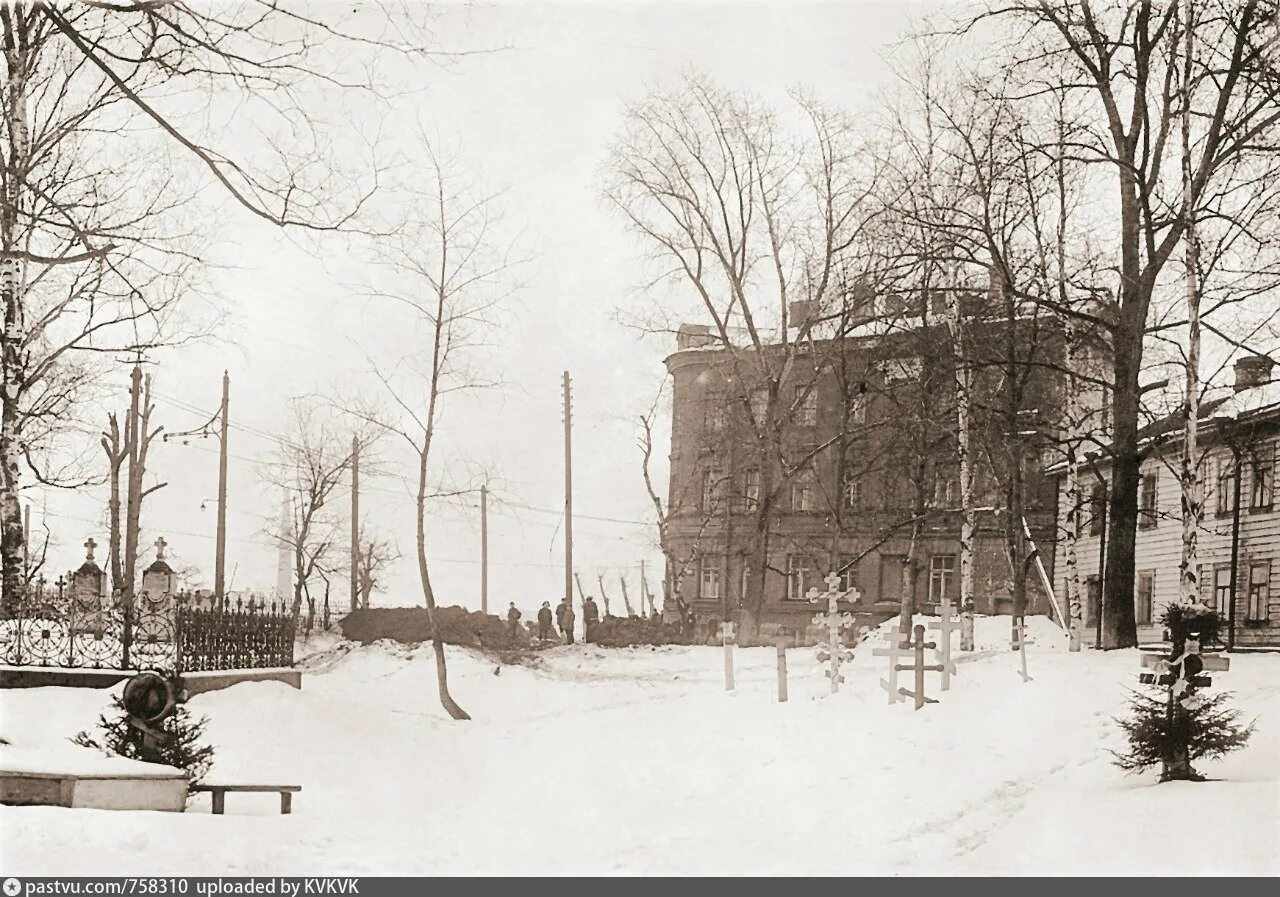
(164, 631)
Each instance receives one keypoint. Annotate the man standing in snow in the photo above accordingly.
(513, 620)
(544, 621)
(566, 624)
(590, 617)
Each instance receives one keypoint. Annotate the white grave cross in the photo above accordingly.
(832, 650)
(945, 625)
(894, 652)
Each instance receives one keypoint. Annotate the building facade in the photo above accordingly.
(1238, 438)
(865, 483)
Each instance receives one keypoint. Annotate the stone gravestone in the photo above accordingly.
(159, 584)
(88, 601)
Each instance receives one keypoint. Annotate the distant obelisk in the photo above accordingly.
(284, 568)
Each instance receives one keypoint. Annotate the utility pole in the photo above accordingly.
(355, 522)
(220, 558)
(568, 493)
(484, 549)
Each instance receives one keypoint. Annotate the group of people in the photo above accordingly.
(564, 618)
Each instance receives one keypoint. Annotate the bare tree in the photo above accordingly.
(377, 553)
(749, 218)
(445, 271)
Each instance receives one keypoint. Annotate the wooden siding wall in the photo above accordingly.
(1159, 548)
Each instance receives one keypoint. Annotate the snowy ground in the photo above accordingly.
(638, 762)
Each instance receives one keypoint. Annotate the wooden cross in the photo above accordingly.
(945, 624)
(160, 545)
(90, 545)
(897, 643)
(919, 667)
(726, 638)
(1166, 668)
(832, 651)
(1021, 634)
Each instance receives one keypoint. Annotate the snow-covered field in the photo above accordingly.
(638, 762)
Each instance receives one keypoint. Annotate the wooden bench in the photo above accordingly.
(219, 793)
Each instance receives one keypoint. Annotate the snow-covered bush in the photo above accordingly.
(183, 749)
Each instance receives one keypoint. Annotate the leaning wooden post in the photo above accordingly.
(782, 669)
(726, 637)
(1021, 634)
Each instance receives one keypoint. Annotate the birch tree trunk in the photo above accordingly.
(1074, 496)
(964, 428)
(1188, 587)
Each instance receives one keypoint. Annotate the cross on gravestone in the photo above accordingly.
(897, 640)
(726, 638)
(832, 650)
(160, 546)
(945, 625)
(89, 546)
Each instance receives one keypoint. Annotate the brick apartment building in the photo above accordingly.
(871, 431)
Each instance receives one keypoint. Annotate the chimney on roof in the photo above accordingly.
(1253, 370)
(801, 312)
(694, 336)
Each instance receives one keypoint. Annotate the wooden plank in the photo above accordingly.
(251, 788)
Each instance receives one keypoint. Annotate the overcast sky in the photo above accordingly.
(535, 119)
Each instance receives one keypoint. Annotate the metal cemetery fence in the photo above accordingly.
(170, 632)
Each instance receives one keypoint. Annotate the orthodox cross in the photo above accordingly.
(1183, 672)
(945, 624)
(919, 667)
(831, 649)
(898, 641)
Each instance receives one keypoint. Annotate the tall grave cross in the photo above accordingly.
(945, 624)
(897, 640)
(831, 649)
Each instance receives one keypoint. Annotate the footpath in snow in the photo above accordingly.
(638, 762)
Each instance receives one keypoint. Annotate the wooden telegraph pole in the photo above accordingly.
(484, 549)
(355, 523)
(220, 558)
(568, 492)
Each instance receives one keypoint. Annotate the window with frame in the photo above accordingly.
(1144, 595)
(712, 488)
(806, 405)
(858, 407)
(800, 576)
(1097, 509)
(751, 489)
(942, 577)
(946, 489)
(850, 483)
(1262, 472)
(1259, 591)
(804, 492)
(901, 370)
(847, 568)
(1147, 496)
(759, 405)
(1221, 588)
(709, 578)
(714, 411)
(1226, 486)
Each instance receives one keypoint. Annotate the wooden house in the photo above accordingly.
(1238, 440)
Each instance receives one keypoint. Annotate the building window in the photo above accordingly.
(803, 492)
(759, 406)
(1221, 588)
(942, 577)
(1144, 595)
(800, 575)
(709, 579)
(712, 486)
(1226, 486)
(751, 490)
(713, 412)
(1259, 591)
(946, 489)
(901, 370)
(806, 406)
(1147, 500)
(858, 407)
(1261, 468)
(847, 568)
(850, 486)
(1097, 509)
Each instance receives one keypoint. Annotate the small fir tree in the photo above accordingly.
(184, 748)
(1172, 725)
